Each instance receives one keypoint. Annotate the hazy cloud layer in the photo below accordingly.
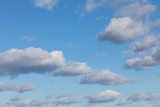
(140, 96)
(61, 100)
(92, 5)
(122, 30)
(104, 97)
(104, 77)
(18, 88)
(136, 10)
(65, 100)
(48, 4)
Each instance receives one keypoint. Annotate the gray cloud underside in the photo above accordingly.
(61, 100)
(104, 97)
(104, 77)
(140, 96)
(122, 30)
(148, 61)
(18, 88)
(15, 62)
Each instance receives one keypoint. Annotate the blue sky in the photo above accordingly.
(90, 53)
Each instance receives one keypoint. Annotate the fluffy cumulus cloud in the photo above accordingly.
(36, 60)
(65, 100)
(18, 88)
(140, 96)
(104, 97)
(150, 60)
(122, 30)
(48, 4)
(104, 77)
(18, 61)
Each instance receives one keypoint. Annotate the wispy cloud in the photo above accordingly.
(47, 4)
(14, 87)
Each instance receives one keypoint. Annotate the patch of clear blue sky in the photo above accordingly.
(63, 29)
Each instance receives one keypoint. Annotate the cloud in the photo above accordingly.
(13, 100)
(65, 100)
(148, 61)
(104, 77)
(28, 102)
(26, 38)
(140, 96)
(92, 5)
(104, 97)
(136, 10)
(72, 68)
(17, 61)
(60, 100)
(48, 4)
(19, 88)
(146, 43)
(122, 30)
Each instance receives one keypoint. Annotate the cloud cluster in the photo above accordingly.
(147, 61)
(15, 62)
(104, 97)
(48, 4)
(134, 25)
(104, 77)
(140, 96)
(19, 88)
(122, 30)
(61, 100)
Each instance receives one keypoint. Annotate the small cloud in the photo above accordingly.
(26, 38)
(104, 97)
(47, 4)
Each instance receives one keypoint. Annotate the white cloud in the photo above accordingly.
(17, 61)
(104, 97)
(29, 102)
(92, 5)
(145, 44)
(48, 4)
(140, 96)
(18, 88)
(65, 100)
(150, 60)
(26, 38)
(72, 68)
(104, 77)
(122, 30)
(136, 10)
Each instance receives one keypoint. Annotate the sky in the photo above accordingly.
(79, 53)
